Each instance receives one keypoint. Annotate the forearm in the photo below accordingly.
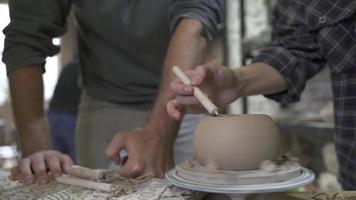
(185, 50)
(27, 101)
(259, 78)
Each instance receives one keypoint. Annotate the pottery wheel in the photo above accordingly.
(191, 175)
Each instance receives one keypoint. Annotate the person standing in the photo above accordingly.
(126, 51)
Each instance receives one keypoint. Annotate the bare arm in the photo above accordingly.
(150, 151)
(28, 42)
(259, 78)
(185, 50)
(26, 87)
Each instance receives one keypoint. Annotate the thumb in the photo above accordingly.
(113, 149)
(204, 72)
(175, 110)
(131, 169)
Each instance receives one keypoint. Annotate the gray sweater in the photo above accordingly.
(122, 43)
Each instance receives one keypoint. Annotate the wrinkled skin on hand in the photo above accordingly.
(36, 167)
(147, 154)
(219, 83)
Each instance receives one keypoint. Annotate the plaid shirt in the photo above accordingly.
(311, 34)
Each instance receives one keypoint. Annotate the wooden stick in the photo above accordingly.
(86, 173)
(205, 101)
(64, 179)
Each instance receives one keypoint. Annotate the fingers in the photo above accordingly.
(131, 169)
(113, 149)
(57, 163)
(25, 171)
(146, 156)
(200, 73)
(187, 100)
(39, 167)
(174, 110)
(181, 89)
(197, 76)
(53, 163)
(215, 72)
(209, 72)
(15, 174)
(66, 163)
(35, 167)
(134, 164)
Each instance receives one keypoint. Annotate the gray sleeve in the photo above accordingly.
(34, 24)
(209, 12)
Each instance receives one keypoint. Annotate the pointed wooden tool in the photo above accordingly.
(204, 100)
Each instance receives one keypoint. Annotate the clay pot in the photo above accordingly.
(236, 142)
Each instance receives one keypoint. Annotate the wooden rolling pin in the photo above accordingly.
(87, 173)
(89, 184)
(87, 178)
(205, 101)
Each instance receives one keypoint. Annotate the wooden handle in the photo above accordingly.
(205, 101)
(181, 75)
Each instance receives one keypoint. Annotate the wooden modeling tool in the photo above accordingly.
(204, 100)
(89, 184)
(96, 179)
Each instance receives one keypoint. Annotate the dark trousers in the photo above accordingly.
(62, 132)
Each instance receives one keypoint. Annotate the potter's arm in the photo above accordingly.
(259, 78)
(224, 85)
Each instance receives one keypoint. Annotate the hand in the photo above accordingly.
(147, 154)
(219, 83)
(34, 167)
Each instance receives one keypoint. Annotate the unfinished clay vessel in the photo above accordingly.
(236, 142)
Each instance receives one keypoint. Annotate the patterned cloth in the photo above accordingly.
(157, 189)
(308, 35)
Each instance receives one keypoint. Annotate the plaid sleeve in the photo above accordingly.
(208, 12)
(295, 51)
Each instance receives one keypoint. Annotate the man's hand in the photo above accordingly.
(218, 82)
(35, 167)
(147, 154)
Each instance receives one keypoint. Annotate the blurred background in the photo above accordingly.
(307, 125)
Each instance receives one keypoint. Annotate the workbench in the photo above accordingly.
(159, 190)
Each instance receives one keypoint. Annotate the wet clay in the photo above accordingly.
(236, 142)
